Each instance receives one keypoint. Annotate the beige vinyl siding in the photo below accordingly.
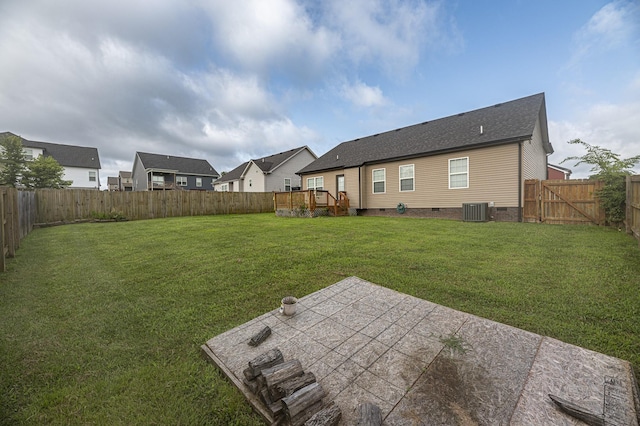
(534, 157)
(493, 176)
(350, 183)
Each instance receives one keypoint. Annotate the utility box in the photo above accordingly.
(475, 212)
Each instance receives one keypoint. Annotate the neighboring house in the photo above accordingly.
(267, 174)
(160, 172)
(557, 172)
(125, 181)
(113, 184)
(431, 169)
(81, 164)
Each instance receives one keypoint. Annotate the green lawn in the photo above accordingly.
(102, 323)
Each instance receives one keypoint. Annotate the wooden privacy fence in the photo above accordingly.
(17, 216)
(563, 202)
(68, 205)
(633, 206)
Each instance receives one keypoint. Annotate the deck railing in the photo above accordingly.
(312, 200)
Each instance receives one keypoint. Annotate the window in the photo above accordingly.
(315, 183)
(287, 184)
(28, 154)
(459, 173)
(378, 181)
(181, 180)
(157, 180)
(224, 187)
(92, 176)
(406, 177)
(199, 182)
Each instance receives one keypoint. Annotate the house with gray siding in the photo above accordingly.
(435, 168)
(275, 172)
(152, 172)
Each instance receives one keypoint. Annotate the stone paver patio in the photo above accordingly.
(424, 364)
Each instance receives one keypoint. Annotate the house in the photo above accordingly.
(273, 173)
(161, 172)
(431, 169)
(557, 172)
(81, 164)
(113, 184)
(125, 181)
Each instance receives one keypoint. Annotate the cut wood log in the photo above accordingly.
(578, 412)
(276, 409)
(289, 386)
(281, 372)
(252, 385)
(265, 360)
(302, 418)
(264, 396)
(328, 416)
(369, 414)
(260, 337)
(302, 400)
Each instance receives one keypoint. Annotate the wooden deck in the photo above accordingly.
(310, 203)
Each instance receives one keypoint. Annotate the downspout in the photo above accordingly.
(360, 187)
(520, 181)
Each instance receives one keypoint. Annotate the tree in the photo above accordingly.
(12, 161)
(612, 170)
(44, 172)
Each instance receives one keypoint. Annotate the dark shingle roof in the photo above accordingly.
(66, 155)
(266, 164)
(185, 165)
(234, 174)
(502, 123)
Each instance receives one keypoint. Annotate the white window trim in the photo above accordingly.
(413, 178)
(459, 173)
(285, 184)
(384, 180)
(198, 182)
(315, 183)
(179, 180)
(93, 176)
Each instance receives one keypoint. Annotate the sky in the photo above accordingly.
(230, 81)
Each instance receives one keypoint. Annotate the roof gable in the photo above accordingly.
(184, 165)
(502, 123)
(65, 155)
(266, 164)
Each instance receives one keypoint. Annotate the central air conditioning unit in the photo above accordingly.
(475, 212)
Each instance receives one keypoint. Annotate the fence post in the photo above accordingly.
(3, 267)
(628, 214)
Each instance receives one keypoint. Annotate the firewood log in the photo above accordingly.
(291, 385)
(265, 360)
(303, 401)
(328, 416)
(369, 415)
(281, 372)
(260, 337)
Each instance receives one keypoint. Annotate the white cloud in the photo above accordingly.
(276, 34)
(607, 125)
(391, 34)
(360, 94)
(614, 25)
